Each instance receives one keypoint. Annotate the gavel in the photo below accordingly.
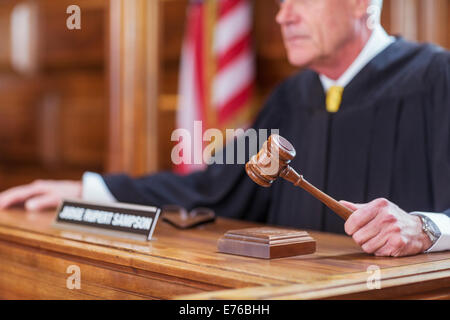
(272, 161)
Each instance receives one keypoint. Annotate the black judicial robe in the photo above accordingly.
(390, 138)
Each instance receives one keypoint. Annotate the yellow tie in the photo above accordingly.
(334, 98)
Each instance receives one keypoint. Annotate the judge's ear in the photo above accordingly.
(359, 8)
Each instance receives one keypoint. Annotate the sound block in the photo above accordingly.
(267, 243)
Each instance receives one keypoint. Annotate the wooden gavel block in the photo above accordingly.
(267, 243)
(272, 162)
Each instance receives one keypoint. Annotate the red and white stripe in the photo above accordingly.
(191, 101)
(235, 73)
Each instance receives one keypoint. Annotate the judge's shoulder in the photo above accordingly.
(400, 56)
(402, 69)
(426, 57)
(434, 58)
(411, 67)
(434, 70)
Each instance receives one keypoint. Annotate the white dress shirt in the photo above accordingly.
(96, 190)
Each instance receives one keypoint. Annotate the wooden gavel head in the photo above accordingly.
(273, 162)
(265, 167)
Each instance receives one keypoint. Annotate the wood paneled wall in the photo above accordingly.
(53, 114)
(134, 80)
(104, 98)
(419, 20)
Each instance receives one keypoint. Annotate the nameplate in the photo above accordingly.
(118, 218)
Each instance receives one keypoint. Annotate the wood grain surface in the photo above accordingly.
(34, 257)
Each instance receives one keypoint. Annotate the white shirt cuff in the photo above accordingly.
(442, 221)
(95, 189)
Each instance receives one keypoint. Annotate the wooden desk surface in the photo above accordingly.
(34, 257)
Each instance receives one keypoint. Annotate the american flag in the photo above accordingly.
(217, 69)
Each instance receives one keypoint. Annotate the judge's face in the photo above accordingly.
(313, 30)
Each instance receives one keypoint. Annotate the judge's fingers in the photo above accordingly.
(393, 247)
(20, 194)
(399, 246)
(350, 205)
(386, 232)
(41, 203)
(369, 231)
(364, 215)
(376, 243)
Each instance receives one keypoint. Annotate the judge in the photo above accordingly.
(369, 116)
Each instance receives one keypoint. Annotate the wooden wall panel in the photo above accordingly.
(5, 11)
(173, 16)
(82, 114)
(17, 118)
(61, 47)
(419, 20)
(134, 85)
(433, 18)
(53, 121)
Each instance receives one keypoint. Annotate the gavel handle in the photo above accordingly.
(331, 203)
(298, 180)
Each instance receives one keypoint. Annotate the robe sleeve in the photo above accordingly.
(225, 188)
(439, 78)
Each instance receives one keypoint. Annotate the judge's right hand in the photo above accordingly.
(41, 195)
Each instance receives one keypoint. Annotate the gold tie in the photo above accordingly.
(334, 98)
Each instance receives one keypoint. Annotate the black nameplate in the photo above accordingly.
(128, 218)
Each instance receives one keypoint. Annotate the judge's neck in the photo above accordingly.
(334, 67)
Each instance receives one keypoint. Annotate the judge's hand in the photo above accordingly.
(41, 194)
(382, 228)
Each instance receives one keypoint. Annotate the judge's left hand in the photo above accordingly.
(382, 228)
